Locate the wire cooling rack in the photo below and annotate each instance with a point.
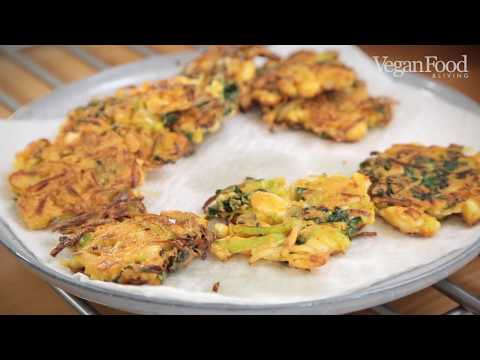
(468, 303)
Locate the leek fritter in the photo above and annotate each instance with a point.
(54, 183)
(415, 186)
(160, 122)
(142, 249)
(301, 225)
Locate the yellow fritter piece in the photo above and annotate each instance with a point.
(301, 225)
(140, 250)
(416, 186)
(410, 220)
(54, 183)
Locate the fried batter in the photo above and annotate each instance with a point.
(302, 225)
(233, 66)
(142, 249)
(315, 92)
(415, 186)
(54, 183)
(339, 116)
(304, 74)
(160, 122)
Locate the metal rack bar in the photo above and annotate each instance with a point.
(9, 101)
(144, 50)
(384, 310)
(85, 56)
(82, 306)
(31, 66)
(459, 295)
(459, 311)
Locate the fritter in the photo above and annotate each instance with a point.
(233, 66)
(315, 92)
(142, 249)
(160, 122)
(302, 225)
(304, 74)
(55, 183)
(415, 186)
(339, 116)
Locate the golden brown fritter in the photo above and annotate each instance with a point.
(415, 186)
(55, 183)
(304, 74)
(142, 249)
(315, 92)
(302, 225)
(233, 66)
(160, 122)
(339, 116)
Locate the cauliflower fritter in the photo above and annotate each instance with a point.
(142, 249)
(233, 66)
(302, 225)
(315, 92)
(415, 186)
(160, 122)
(54, 183)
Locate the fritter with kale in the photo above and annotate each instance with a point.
(302, 225)
(416, 186)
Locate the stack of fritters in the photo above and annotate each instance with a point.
(415, 186)
(302, 225)
(315, 92)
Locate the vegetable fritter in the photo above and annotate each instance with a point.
(54, 183)
(315, 92)
(160, 122)
(339, 116)
(231, 66)
(415, 186)
(142, 249)
(302, 225)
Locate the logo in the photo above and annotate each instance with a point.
(439, 69)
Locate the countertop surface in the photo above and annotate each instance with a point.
(22, 292)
